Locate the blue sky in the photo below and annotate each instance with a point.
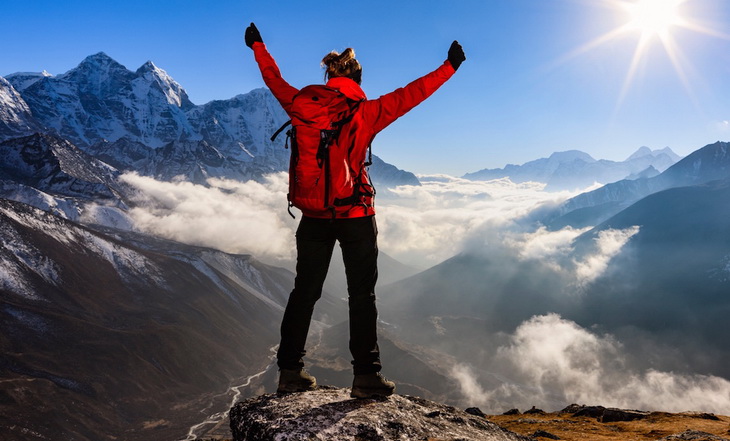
(519, 96)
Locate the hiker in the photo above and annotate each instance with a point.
(348, 220)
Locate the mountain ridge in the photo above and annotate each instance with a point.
(711, 162)
(102, 107)
(575, 169)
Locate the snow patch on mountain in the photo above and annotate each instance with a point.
(127, 262)
(244, 274)
(16, 118)
(23, 80)
(18, 260)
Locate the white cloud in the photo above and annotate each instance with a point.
(427, 224)
(608, 244)
(235, 217)
(550, 361)
(545, 245)
(419, 225)
(468, 385)
(555, 249)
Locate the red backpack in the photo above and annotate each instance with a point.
(321, 179)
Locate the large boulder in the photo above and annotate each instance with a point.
(329, 413)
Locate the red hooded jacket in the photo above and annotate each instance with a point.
(371, 117)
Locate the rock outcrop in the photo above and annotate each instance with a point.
(329, 413)
(693, 435)
(606, 415)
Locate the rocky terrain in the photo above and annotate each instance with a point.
(328, 414)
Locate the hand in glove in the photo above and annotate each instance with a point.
(252, 35)
(456, 55)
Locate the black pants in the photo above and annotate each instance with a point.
(315, 243)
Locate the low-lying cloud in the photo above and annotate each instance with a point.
(424, 225)
(232, 216)
(551, 362)
(555, 250)
(419, 225)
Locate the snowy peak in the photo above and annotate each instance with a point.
(644, 151)
(99, 62)
(710, 163)
(640, 153)
(99, 75)
(570, 156)
(23, 80)
(173, 91)
(101, 99)
(15, 116)
(574, 169)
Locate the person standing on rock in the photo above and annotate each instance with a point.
(352, 226)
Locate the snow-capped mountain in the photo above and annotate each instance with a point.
(15, 116)
(241, 127)
(144, 121)
(574, 169)
(49, 162)
(50, 173)
(644, 152)
(709, 163)
(100, 99)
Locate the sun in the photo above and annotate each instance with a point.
(654, 17)
(651, 22)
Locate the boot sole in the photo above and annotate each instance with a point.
(370, 393)
(294, 389)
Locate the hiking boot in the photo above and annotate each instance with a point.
(295, 380)
(371, 386)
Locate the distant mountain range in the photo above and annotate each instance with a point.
(144, 121)
(707, 164)
(575, 170)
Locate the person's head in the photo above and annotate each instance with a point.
(342, 65)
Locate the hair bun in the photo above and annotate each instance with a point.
(341, 64)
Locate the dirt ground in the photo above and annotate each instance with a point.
(655, 426)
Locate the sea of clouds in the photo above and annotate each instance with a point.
(418, 225)
(547, 360)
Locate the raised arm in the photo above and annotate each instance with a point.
(283, 91)
(383, 111)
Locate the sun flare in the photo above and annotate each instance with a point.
(652, 23)
(654, 17)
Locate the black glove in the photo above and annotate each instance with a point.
(456, 55)
(252, 36)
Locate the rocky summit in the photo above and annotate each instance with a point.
(329, 413)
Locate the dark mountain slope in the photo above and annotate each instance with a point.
(102, 337)
(674, 278)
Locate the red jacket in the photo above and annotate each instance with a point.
(371, 117)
